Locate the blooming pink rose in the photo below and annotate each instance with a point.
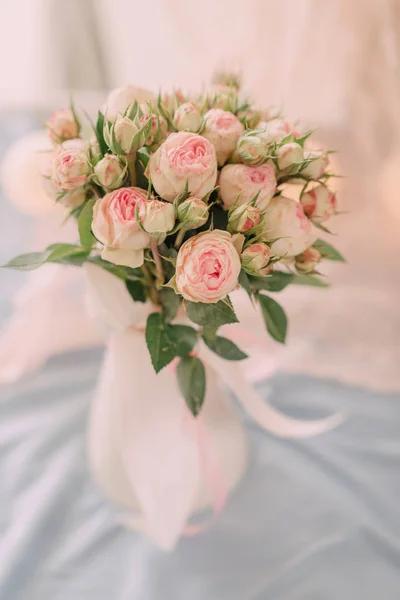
(319, 203)
(247, 181)
(62, 126)
(207, 267)
(114, 225)
(286, 223)
(183, 158)
(70, 168)
(317, 167)
(223, 130)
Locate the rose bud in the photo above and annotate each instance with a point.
(171, 101)
(114, 225)
(124, 130)
(240, 183)
(158, 131)
(317, 167)
(275, 130)
(223, 96)
(251, 149)
(184, 159)
(289, 154)
(286, 223)
(62, 126)
(158, 219)
(69, 166)
(250, 117)
(120, 99)
(193, 213)
(319, 203)
(187, 117)
(244, 218)
(110, 172)
(308, 260)
(255, 259)
(223, 130)
(207, 267)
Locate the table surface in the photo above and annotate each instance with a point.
(315, 519)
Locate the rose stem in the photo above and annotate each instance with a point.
(149, 280)
(179, 238)
(131, 168)
(157, 260)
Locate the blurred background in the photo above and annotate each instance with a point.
(332, 65)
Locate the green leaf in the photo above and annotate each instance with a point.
(309, 280)
(274, 317)
(143, 155)
(136, 290)
(245, 283)
(99, 130)
(85, 219)
(224, 348)
(64, 253)
(162, 349)
(192, 382)
(170, 302)
(211, 315)
(183, 337)
(275, 282)
(327, 251)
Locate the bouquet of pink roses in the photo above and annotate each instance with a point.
(183, 199)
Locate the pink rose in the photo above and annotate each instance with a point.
(120, 99)
(187, 117)
(319, 203)
(223, 130)
(289, 154)
(183, 158)
(286, 223)
(244, 218)
(158, 219)
(207, 267)
(308, 260)
(274, 130)
(247, 181)
(114, 225)
(255, 259)
(317, 167)
(62, 126)
(70, 168)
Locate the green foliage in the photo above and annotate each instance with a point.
(136, 290)
(166, 341)
(224, 347)
(192, 382)
(170, 302)
(211, 315)
(312, 280)
(99, 131)
(327, 251)
(275, 282)
(274, 317)
(56, 253)
(85, 218)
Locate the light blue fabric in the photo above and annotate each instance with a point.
(316, 519)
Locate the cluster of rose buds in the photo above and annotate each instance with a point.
(160, 167)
